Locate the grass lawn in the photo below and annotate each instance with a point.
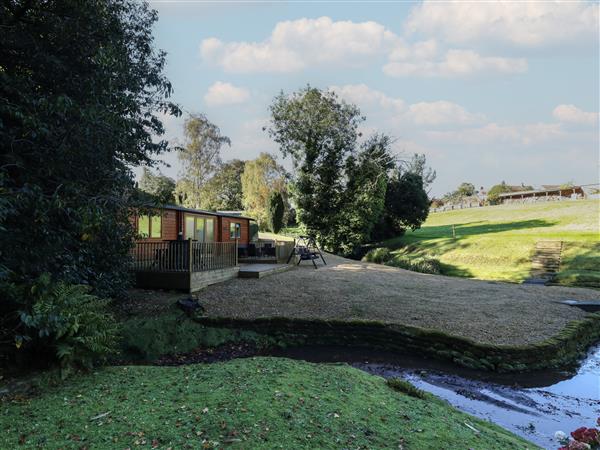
(497, 242)
(246, 403)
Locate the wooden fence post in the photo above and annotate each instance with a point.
(236, 251)
(190, 256)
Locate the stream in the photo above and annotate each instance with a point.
(533, 405)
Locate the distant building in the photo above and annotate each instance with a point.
(545, 193)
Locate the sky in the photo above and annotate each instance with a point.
(489, 92)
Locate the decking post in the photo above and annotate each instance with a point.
(236, 251)
(190, 256)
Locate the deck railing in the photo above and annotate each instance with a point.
(183, 256)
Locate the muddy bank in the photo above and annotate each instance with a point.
(533, 405)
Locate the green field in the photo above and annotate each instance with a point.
(246, 403)
(497, 242)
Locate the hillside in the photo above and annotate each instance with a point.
(497, 242)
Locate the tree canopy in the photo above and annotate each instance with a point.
(262, 176)
(81, 92)
(224, 190)
(340, 186)
(318, 131)
(158, 185)
(200, 157)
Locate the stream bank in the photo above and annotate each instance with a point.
(533, 405)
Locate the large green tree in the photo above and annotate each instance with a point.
(318, 131)
(200, 157)
(365, 193)
(158, 185)
(81, 86)
(224, 190)
(262, 176)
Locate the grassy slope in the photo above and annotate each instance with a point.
(497, 242)
(246, 403)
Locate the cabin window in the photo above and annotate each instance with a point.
(149, 226)
(235, 231)
(209, 230)
(156, 226)
(200, 228)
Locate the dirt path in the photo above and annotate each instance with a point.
(488, 312)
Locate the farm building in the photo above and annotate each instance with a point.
(545, 193)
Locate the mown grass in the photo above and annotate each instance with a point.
(497, 242)
(254, 403)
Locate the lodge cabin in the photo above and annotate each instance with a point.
(187, 249)
(173, 223)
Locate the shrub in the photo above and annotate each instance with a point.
(400, 385)
(423, 265)
(73, 323)
(378, 255)
(275, 212)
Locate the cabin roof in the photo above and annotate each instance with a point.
(203, 211)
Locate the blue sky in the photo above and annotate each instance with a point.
(488, 91)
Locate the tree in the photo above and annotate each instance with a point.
(275, 212)
(159, 186)
(493, 196)
(318, 131)
(224, 190)
(418, 165)
(80, 88)
(406, 203)
(262, 176)
(367, 183)
(462, 191)
(200, 157)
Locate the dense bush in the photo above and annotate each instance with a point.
(75, 325)
(378, 255)
(423, 265)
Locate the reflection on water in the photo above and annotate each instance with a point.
(532, 405)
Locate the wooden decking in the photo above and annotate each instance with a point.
(261, 270)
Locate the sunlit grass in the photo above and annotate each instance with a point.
(497, 242)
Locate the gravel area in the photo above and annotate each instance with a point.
(487, 312)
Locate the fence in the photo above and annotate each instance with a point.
(183, 256)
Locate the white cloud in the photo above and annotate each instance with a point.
(441, 112)
(492, 133)
(220, 94)
(525, 24)
(294, 45)
(570, 113)
(363, 96)
(455, 63)
(395, 109)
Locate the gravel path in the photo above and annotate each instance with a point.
(488, 312)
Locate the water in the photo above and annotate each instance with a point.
(533, 405)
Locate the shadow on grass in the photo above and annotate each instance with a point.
(454, 271)
(467, 229)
